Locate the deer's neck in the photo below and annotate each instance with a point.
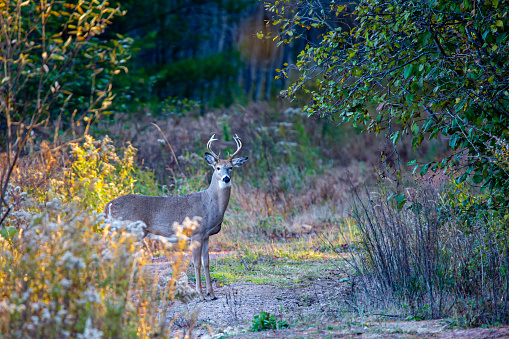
(219, 194)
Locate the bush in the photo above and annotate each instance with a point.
(427, 261)
(65, 272)
(424, 68)
(59, 277)
(98, 175)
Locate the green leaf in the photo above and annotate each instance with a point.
(424, 169)
(412, 162)
(453, 141)
(415, 128)
(8, 232)
(408, 71)
(395, 137)
(477, 179)
(401, 199)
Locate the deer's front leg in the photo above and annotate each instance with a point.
(205, 263)
(197, 266)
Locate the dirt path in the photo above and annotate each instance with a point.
(232, 313)
(428, 330)
(238, 303)
(309, 307)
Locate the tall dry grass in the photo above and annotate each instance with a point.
(274, 135)
(426, 261)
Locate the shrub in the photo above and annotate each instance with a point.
(266, 321)
(56, 72)
(65, 272)
(98, 175)
(60, 277)
(429, 262)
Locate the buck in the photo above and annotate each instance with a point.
(160, 213)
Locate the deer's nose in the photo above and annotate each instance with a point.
(226, 179)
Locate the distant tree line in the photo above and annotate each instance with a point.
(204, 50)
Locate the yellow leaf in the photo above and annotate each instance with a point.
(68, 41)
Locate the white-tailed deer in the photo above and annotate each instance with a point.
(159, 213)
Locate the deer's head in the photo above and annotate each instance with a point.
(223, 168)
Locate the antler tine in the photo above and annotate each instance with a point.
(239, 146)
(209, 149)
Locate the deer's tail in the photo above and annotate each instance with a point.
(107, 210)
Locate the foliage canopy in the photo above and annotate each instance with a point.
(412, 67)
(56, 74)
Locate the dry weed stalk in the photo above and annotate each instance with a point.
(64, 272)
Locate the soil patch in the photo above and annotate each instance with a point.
(310, 308)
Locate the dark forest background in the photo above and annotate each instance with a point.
(206, 51)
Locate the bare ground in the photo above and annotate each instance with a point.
(309, 307)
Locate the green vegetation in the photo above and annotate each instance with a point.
(428, 69)
(312, 209)
(266, 321)
(413, 67)
(56, 74)
(273, 269)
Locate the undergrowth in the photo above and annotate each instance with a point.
(67, 272)
(426, 260)
(267, 321)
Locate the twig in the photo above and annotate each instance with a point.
(169, 145)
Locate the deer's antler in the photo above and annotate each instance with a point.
(239, 146)
(216, 156)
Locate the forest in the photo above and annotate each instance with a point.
(254, 169)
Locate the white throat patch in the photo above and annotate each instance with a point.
(223, 184)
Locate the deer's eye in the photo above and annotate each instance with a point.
(218, 168)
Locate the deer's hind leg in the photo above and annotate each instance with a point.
(206, 267)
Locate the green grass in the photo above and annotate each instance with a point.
(281, 263)
(270, 270)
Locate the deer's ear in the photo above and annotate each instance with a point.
(237, 162)
(210, 160)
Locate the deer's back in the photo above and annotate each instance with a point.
(158, 213)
